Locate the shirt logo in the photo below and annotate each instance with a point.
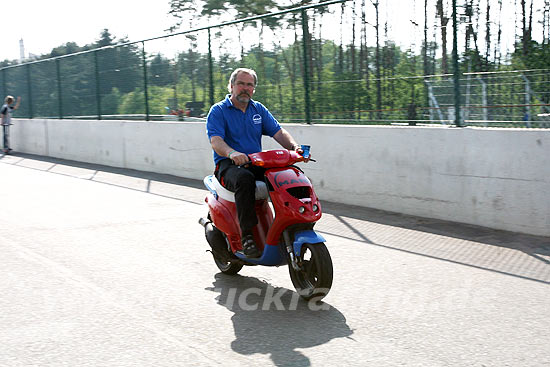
(257, 119)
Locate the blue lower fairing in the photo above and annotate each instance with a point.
(308, 236)
(272, 256)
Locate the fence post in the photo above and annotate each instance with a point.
(305, 37)
(97, 90)
(527, 115)
(484, 100)
(4, 93)
(210, 70)
(145, 81)
(59, 96)
(434, 104)
(29, 88)
(458, 119)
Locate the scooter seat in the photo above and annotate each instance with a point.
(212, 183)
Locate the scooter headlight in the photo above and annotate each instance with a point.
(301, 210)
(315, 207)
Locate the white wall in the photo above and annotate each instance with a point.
(498, 178)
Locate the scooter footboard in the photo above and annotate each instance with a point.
(307, 236)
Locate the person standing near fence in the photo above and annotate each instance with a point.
(5, 120)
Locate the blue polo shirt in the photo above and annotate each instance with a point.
(241, 131)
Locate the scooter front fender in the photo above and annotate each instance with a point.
(307, 236)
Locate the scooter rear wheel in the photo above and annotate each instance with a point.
(229, 268)
(314, 279)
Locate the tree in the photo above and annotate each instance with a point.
(160, 71)
(527, 27)
(471, 33)
(444, 20)
(377, 64)
(487, 37)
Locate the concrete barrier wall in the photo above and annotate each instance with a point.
(498, 178)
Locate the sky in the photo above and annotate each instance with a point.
(44, 25)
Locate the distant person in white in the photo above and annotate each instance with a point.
(5, 120)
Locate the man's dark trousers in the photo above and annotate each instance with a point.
(5, 133)
(241, 181)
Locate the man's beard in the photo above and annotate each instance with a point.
(243, 98)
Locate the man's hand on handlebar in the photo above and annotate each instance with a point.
(298, 149)
(239, 158)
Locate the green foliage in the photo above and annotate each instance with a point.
(343, 84)
(110, 102)
(132, 103)
(160, 71)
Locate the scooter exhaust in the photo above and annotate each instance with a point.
(215, 239)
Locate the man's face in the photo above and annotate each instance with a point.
(243, 89)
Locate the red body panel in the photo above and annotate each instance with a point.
(224, 214)
(273, 158)
(286, 205)
(291, 190)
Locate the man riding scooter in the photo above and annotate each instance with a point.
(235, 127)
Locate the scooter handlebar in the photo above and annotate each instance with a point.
(275, 158)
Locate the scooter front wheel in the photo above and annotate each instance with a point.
(314, 278)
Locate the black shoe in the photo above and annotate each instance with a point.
(249, 247)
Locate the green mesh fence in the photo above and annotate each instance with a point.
(505, 99)
(346, 62)
(16, 84)
(77, 81)
(119, 78)
(44, 89)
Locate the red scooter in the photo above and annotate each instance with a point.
(286, 238)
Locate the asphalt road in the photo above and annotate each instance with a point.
(107, 267)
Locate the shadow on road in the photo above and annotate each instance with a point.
(153, 183)
(516, 254)
(509, 253)
(275, 321)
(440, 227)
